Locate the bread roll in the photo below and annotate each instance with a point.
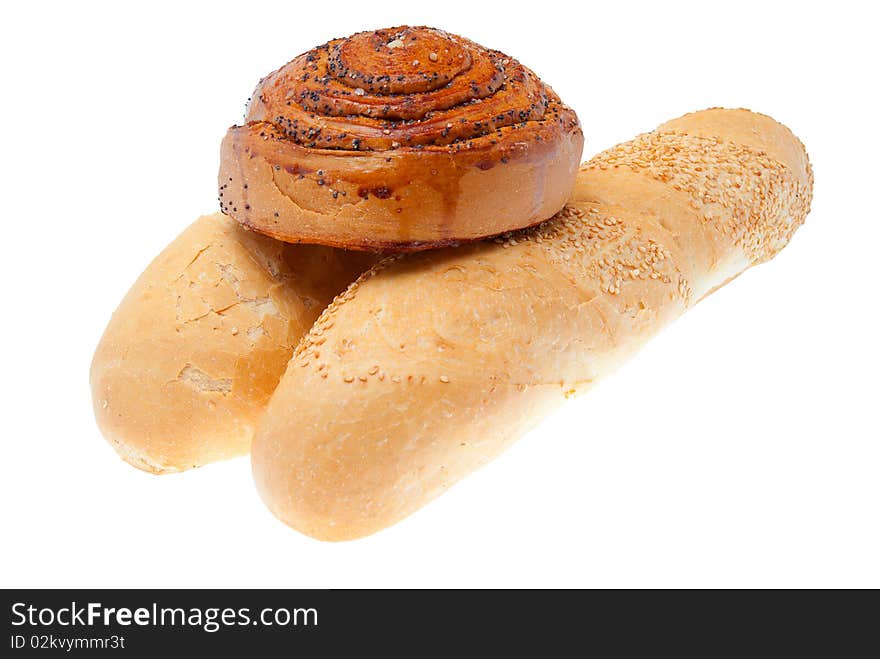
(400, 139)
(195, 349)
(432, 364)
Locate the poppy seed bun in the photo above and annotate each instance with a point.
(401, 139)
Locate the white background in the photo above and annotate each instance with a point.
(740, 448)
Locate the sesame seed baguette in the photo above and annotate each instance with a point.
(430, 365)
(195, 349)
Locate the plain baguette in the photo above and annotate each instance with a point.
(192, 354)
(430, 365)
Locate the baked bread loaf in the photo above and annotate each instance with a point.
(431, 364)
(400, 139)
(192, 354)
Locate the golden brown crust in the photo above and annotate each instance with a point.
(192, 354)
(407, 138)
(712, 177)
(431, 364)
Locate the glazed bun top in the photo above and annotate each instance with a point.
(404, 138)
(403, 87)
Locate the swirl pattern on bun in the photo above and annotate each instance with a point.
(401, 139)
